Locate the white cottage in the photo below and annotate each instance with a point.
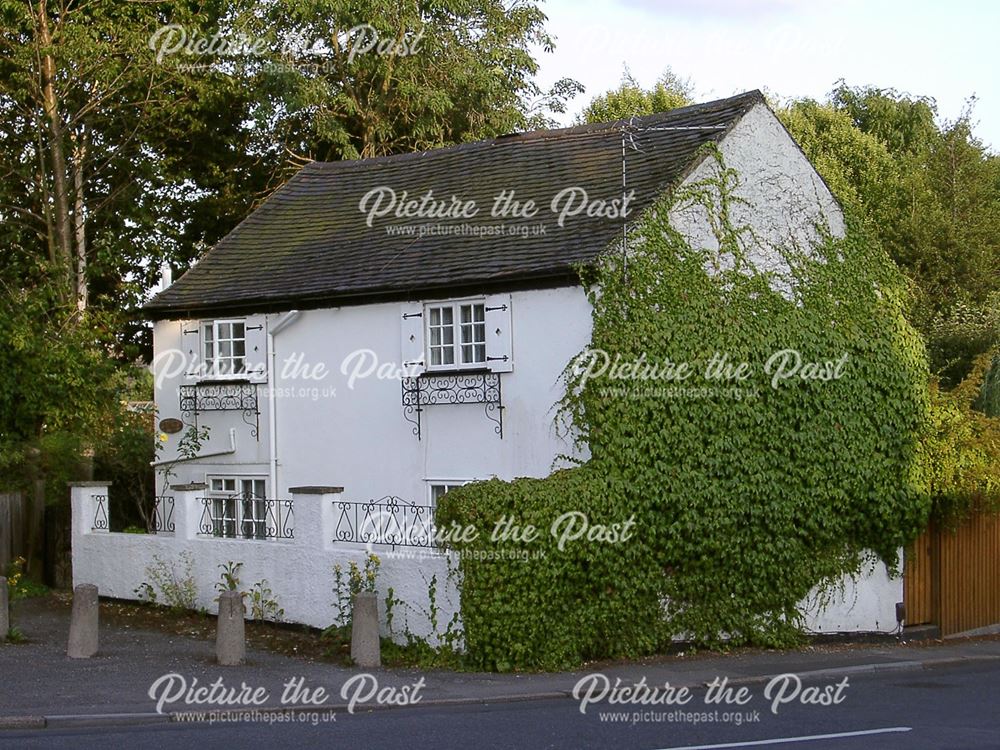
(380, 331)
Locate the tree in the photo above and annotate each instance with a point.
(138, 133)
(58, 389)
(97, 147)
(631, 100)
(856, 166)
(930, 193)
(376, 77)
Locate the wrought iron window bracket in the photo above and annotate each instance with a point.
(215, 395)
(463, 387)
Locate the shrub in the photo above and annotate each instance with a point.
(168, 586)
(746, 494)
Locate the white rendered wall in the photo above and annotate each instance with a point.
(357, 437)
(780, 196)
(866, 603)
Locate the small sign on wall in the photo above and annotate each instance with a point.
(171, 425)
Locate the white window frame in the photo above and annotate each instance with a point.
(449, 483)
(460, 345)
(212, 362)
(229, 520)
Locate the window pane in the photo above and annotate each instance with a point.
(479, 313)
(239, 330)
(448, 356)
(208, 332)
(466, 315)
(239, 348)
(225, 330)
(239, 365)
(467, 353)
(435, 356)
(225, 348)
(448, 336)
(435, 316)
(447, 316)
(252, 487)
(435, 337)
(480, 353)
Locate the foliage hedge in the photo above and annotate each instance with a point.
(742, 506)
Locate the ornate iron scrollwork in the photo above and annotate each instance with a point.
(163, 515)
(101, 513)
(389, 521)
(247, 517)
(431, 389)
(208, 396)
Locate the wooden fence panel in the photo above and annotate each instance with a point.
(952, 578)
(970, 575)
(12, 528)
(918, 581)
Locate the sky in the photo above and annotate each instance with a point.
(789, 48)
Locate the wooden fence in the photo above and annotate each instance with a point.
(952, 578)
(13, 528)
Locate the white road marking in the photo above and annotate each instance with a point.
(786, 740)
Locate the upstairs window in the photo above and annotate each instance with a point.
(224, 347)
(456, 335)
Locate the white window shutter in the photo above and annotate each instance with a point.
(256, 348)
(499, 341)
(194, 354)
(411, 338)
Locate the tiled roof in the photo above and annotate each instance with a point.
(310, 244)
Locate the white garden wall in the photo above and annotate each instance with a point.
(299, 571)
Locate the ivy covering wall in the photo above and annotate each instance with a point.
(739, 495)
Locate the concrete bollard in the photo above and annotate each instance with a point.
(230, 636)
(365, 647)
(83, 622)
(4, 609)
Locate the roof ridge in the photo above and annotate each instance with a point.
(753, 96)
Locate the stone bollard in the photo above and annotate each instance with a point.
(83, 622)
(4, 609)
(230, 636)
(365, 647)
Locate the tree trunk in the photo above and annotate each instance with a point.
(60, 193)
(79, 219)
(43, 187)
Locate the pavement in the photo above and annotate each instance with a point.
(40, 687)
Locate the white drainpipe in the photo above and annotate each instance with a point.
(272, 411)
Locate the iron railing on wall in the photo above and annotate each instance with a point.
(163, 515)
(390, 521)
(246, 517)
(101, 513)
